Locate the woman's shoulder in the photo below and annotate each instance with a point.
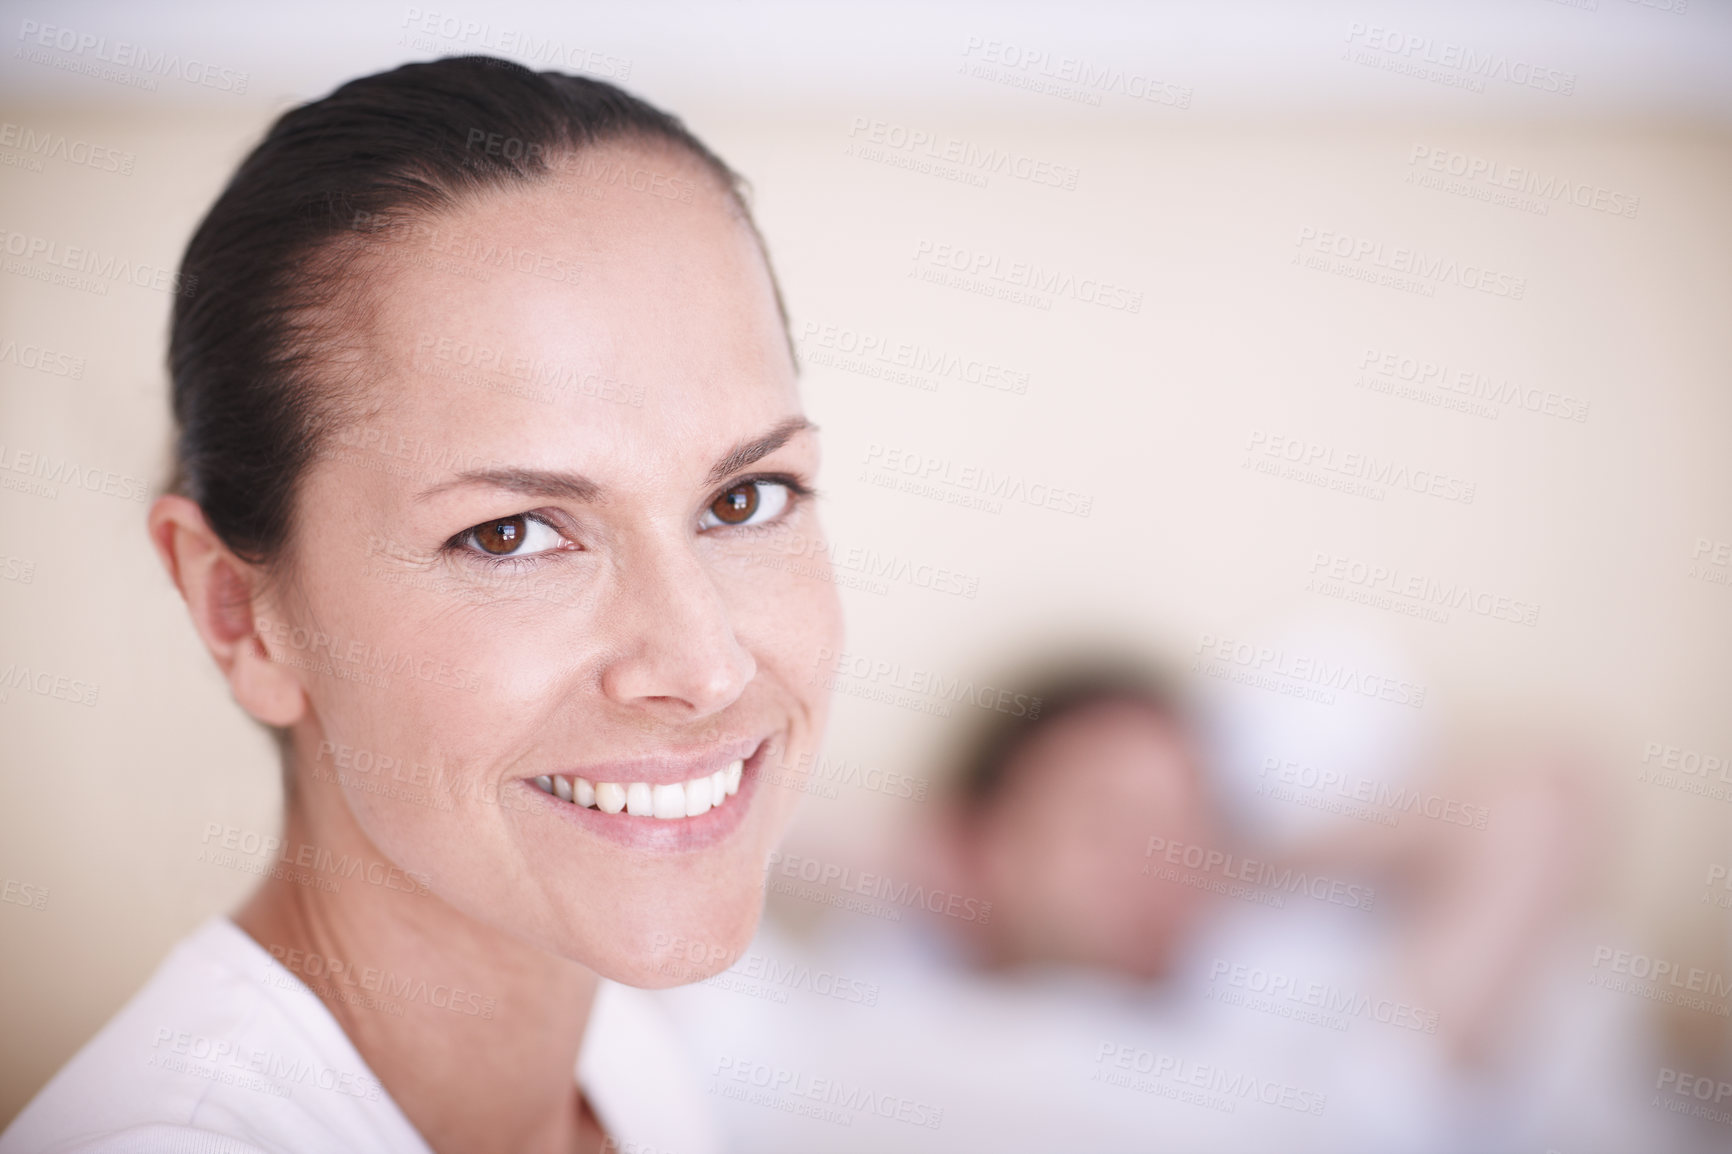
(223, 1051)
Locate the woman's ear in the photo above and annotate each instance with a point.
(224, 594)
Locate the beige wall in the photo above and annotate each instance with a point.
(1148, 414)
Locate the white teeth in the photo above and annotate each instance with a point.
(609, 796)
(692, 798)
(670, 800)
(697, 796)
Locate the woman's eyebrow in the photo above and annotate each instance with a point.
(577, 487)
(540, 482)
(748, 452)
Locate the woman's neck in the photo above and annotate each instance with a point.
(473, 1033)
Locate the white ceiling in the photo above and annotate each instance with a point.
(1244, 57)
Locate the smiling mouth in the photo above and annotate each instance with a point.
(693, 797)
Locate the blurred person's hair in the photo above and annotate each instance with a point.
(274, 279)
(1064, 688)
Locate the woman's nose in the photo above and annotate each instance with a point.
(674, 646)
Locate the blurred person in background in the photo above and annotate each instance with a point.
(1054, 819)
(1153, 975)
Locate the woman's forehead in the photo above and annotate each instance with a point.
(537, 307)
(544, 272)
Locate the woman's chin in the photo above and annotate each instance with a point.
(685, 942)
(669, 973)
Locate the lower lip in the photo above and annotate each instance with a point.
(661, 835)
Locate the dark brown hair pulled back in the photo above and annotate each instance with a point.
(255, 346)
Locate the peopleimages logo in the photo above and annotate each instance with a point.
(45, 471)
(1300, 675)
(1422, 592)
(882, 672)
(219, 838)
(450, 33)
(1198, 1083)
(450, 356)
(879, 887)
(991, 271)
(21, 893)
(1661, 980)
(1283, 778)
(1410, 262)
(82, 261)
(932, 469)
(1352, 470)
(234, 1063)
(41, 144)
(801, 1092)
(87, 52)
(355, 659)
(1680, 1087)
(872, 354)
(1385, 371)
(41, 359)
(888, 141)
(874, 569)
(1334, 1004)
(1495, 175)
(1261, 874)
(1069, 77)
(45, 683)
(801, 978)
(1469, 62)
(337, 973)
(815, 774)
(1704, 773)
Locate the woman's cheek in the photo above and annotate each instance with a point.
(812, 582)
(804, 624)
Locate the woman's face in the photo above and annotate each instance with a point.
(557, 544)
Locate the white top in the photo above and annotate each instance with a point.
(225, 1051)
(871, 1038)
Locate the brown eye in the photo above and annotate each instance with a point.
(737, 505)
(523, 537)
(755, 502)
(501, 537)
